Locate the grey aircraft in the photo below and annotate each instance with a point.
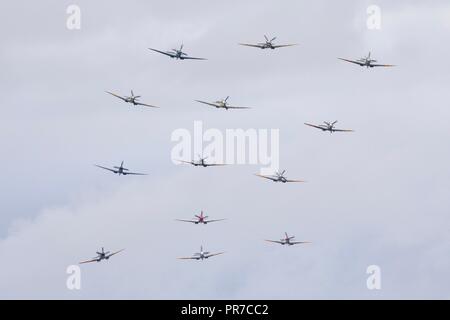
(200, 219)
(122, 171)
(132, 99)
(288, 240)
(201, 255)
(328, 127)
(201, 162)
(177, 54)
(102, 256)
(367, 62)
(222, 104)
(279, 177)
(268, 44)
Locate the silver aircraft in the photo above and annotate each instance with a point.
(288, 240)
(222, 104)
(132, 99)
(201, 255)
(177, 54)
(102, 256)
(328, 127)
(268, 44)
(367, 62)
(201, 162)
(202, 219)
(121, 170)
(279, 177)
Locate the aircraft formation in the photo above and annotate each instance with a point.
(202, 219)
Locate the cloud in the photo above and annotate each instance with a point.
(378, 196)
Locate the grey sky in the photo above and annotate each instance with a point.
(377, 196)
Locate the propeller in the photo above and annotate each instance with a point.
(271, 40)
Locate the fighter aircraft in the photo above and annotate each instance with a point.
(328, 127)
(200, 219)
(177, 54)
(132, 99)
(201, 162)
(279, 177)
(222, 104)
(122, 171)
(268, 44)
(201, 255)
(102, 256)
(288, 241)
(367, 62)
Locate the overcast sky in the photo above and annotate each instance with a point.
(378, 196)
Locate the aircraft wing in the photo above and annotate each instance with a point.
(189, 258)
(381, 65)
(192, 58)
(214, 164)
(146, 105)
(134, 174)
(182, 220)
(274, 241)
(112, 170)
(266, 177)
(315, 126)
(208, 221)
(251, 45)
(162, 52)
(284, 45)
(213, 254)
(231, 107)
(352, 61)
(294, 180)
(299, 242)
(189, 162)
(208, 103)
(114, 253)
(89, 261)
(116, 95)
(343, 130)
